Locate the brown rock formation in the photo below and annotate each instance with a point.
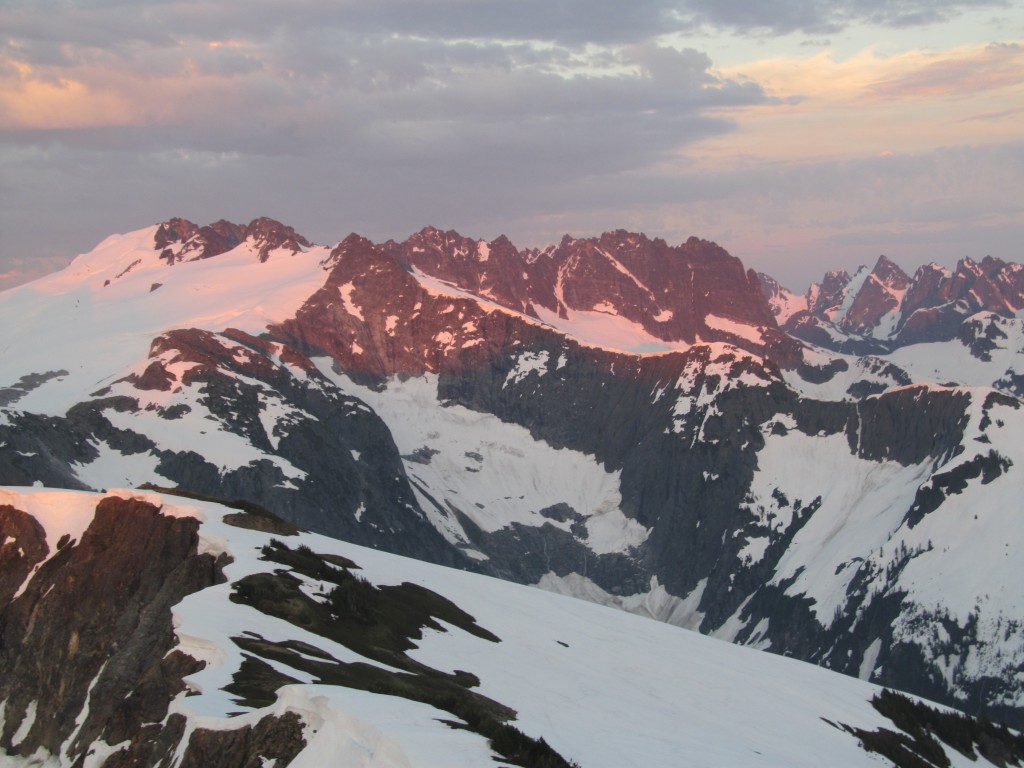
(86, 642)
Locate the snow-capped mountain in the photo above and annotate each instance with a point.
(882, 308)
(190, 634)
(613, 418)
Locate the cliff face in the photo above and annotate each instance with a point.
(86, 635)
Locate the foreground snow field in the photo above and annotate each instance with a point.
(601, 686)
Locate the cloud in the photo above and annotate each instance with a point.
(993, 67)
(872, 76)
(23, 270)
(396, 97)
(530, 118)
(817, 17)
(870, 104)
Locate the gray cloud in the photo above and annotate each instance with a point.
(121, 24)
(816, 17)
(529, 118)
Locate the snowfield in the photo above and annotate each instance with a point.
(495, 473)
(76, 321)
(603, 687)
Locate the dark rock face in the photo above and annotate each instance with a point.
(36, 448)
(277, 739)
(880, 294)
(90, 631)
(982, 336)
(828, 294)
(780, 299)
(345, 477)
(12, 394)
(687, 477)
(21, 549)
(909, 425)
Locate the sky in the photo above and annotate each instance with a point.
(801, 135)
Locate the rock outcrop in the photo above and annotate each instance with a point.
(86, 638)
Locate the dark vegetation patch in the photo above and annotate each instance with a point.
(562, 512)
(173, 412)
(256, 682)
(251, 515)
(981, 337)
(819, 374)
(923, 730)
(368, 619)
(944, 484)
(379, 623)
(865, 388)
(28, 382)
(421, 455)
(993, 399)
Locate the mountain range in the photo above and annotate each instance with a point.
(833, 477)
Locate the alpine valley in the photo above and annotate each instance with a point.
(834, 477)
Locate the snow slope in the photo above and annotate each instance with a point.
(495, 473)
(98, 316)
(603, 687)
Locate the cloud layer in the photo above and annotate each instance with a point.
(529, 118)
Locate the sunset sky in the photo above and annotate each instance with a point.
(803, 135)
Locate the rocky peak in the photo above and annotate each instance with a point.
(782, 301)
(879, 295)
(211, 240)
(991, 285)
(175, 230)
(924, 287)
(86, 646)
(668, 291)
(888, 305)
(889, 274)
(353, 246)
(180, 240)
(269, 235)
(828, 294)
(446, 255)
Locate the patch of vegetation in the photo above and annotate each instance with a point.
(382, 618)
(421, 455)
(450, 693)
(304, 560)
(922, 728)
(944, 484)
(379, 623)
(256, 682)
(252, 515)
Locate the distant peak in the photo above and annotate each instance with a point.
(221, 236)
(174, 230)
(354, 240)
(889, 273)
(269, 235)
